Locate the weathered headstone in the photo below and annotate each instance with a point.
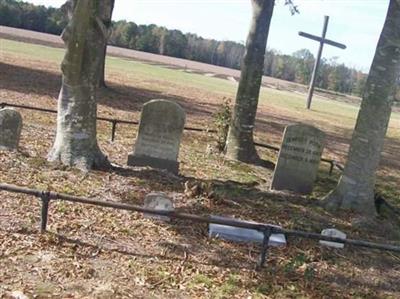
(332, 232)
(298, 160)
(159, 136)
(10, 129)
(158, 201)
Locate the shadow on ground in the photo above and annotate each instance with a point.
(126, 98)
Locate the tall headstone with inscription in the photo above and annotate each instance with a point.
(159, 136)
(298, 160)
(10, 129)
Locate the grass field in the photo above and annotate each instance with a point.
(324, 111)
(94, 252)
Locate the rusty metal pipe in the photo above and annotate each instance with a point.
(196, 218)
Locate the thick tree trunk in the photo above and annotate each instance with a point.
(76, 142)
(85, 38)
(355, 190)
(239, 144)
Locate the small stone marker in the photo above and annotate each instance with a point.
(159, 136)
(10, 129)
(332, 232)
(298, 160)
(239, 234)
(158, 201)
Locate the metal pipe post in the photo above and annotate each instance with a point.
(45, 198)
(113, 128)
(264, 249)
(331, 167)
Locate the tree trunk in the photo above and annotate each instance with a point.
(355, 190)
(239, 144)
(106, 10)
(85, 37)
(102, 78)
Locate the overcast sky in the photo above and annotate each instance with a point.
(356, 23)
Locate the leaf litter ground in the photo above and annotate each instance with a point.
(103, 253)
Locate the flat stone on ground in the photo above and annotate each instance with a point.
(158, 201)
(246, 235)
(332, 232)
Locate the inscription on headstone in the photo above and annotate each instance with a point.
(10, 129)
(158, 201)
(298, 160)
(159, 136)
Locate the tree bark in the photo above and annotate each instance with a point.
(106, 11)
(102, 78)
(355, 190)
(239, 144)
(76, 137)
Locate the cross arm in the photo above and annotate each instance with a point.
(323, 40)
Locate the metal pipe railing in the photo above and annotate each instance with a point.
(114, 123)
(266, 229)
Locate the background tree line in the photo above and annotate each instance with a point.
(32, 17)
(160, 40)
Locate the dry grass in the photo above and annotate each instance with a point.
(94, 252)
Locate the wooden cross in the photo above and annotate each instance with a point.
(322, 40)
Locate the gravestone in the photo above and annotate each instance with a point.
(10, 129)
(240, 234)
(159, 136)
(332, 232)
(298, 159)
(158, 201)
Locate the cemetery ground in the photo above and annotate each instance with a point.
(96, 252)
